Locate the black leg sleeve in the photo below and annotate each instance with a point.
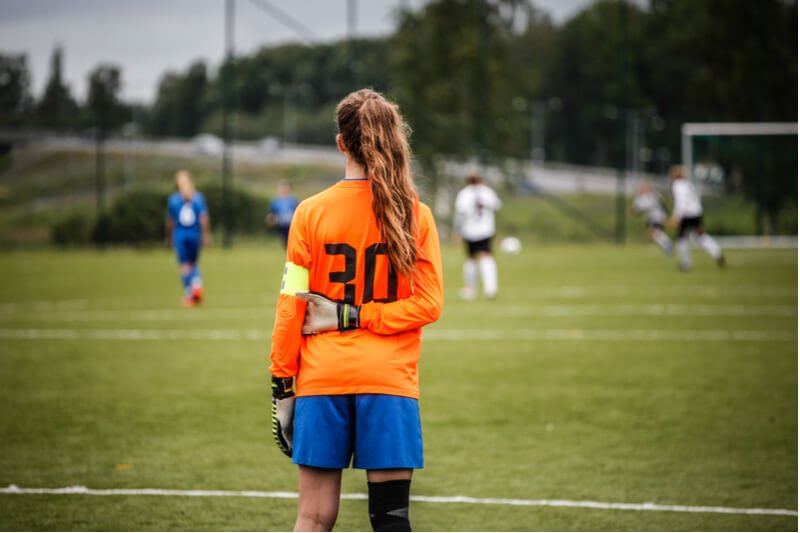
(388, 505)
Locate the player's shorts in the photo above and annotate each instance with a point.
(187, 247)
(483, 245)
(688, 223)
(655, 224)
(378, 431)
(283, 234)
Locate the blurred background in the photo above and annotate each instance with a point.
(615, 378)
(565, 105)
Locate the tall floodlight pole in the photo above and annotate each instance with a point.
(481, 81)
(226, 124)
(622, 60)
(352, 17)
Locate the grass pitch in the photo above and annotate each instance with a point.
(600, 373)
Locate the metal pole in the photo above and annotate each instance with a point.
(623, 123)
(99, 162)
(686, 153)
(226, 125)
(352, 13)
(481, 81)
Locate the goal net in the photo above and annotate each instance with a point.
(747, 175)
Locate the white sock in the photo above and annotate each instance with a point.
(470, 274)
(488, 275)
(709, 245)
(663, 241)
(683, 251)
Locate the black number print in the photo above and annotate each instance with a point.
(349, 272)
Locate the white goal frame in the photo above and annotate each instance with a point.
(690, 130)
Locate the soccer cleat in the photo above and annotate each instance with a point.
(466, 293)
(188, 302)
(197, 294)
(721, 262)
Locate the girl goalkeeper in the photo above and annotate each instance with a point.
(363, 263)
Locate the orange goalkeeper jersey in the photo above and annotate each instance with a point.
(335, 236)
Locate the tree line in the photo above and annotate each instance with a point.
(485, 78)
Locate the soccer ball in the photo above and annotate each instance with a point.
(510, 246)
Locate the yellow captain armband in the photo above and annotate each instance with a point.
(295, 279)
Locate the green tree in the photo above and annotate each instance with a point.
(57, 108)
(15, 96)
(182, 104)
(595, 74)
(103, 103)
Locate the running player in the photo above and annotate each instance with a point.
(364, 253)
(281, 210)
(474, 221)
(649, 202)
(188, 228)
(687, 215)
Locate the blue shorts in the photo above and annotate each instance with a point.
(187, 247)
(378, 431)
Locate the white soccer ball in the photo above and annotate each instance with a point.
(510, 246)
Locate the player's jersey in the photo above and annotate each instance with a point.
(687, 201)
(186, 214)
(475, 207)
(650, 204)
(335, 235)
(283, 208)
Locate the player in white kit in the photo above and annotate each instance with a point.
(647, 201)
(474, 221)
(687, 215)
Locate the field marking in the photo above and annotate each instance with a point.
(649, 506)
(268, 298)
(514, 310)
(637, 335)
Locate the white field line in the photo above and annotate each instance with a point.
(265, 313)
(645, 309)
(267, 298)
(431, 334)
(84, 491)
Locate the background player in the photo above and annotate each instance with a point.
(281, 210)
(188, 228)
(649, 203)
(474, 220)
(687, 215)
(368, 252)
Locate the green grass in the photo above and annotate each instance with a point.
(685, 422)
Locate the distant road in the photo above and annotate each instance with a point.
(550, 178)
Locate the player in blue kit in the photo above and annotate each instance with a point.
(281, 210)
(188, 228)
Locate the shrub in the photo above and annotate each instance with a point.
(73, 229)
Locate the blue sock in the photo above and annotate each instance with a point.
(186, 280)
(195, 277)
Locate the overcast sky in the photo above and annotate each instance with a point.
(148, 37)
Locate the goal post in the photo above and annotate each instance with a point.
(755, 162)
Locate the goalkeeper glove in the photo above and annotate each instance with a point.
(326, 315)
(283, 413)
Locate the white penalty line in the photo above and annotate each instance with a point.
(85, 491)
(435, 334)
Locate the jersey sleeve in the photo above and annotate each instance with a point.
(170, 215)
(496, 202)
(291, 310)
(425, 304)
(202, 207)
